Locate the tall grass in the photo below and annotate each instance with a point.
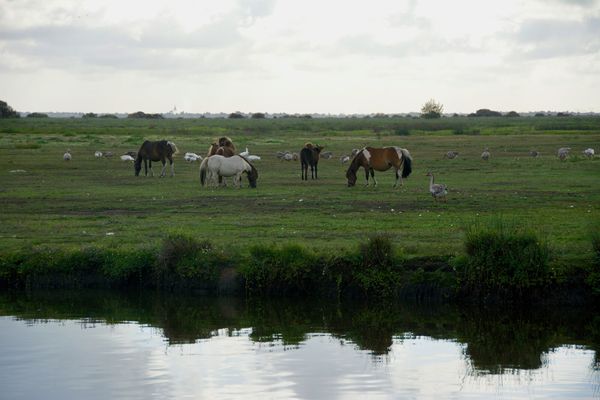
(282, 269)
(184, 260)
(502, 256)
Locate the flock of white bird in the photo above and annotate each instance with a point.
(130, 156)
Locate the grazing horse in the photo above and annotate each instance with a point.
(380, 159)
(309, 155)
(218, 166)
(155, 151)
(223, 147)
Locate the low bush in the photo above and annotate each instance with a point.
(128, 265)
(279, 270)
(503, 257)
(184, 260)
(377, 251)
(401, 131)
(374, 271)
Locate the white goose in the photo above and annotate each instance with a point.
(485, 155)
(67, 156)
(245, 153)
(563, 153)
(589, 153)
(98, 154)
(192, 157)
(437, 189)
(127, 157)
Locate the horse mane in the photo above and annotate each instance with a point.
(212, 149)
(308, 145)
(356, 160)
(173, 147)
(354, 164)
(225, 141)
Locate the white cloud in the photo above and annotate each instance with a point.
(277, 55)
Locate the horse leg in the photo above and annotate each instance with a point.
(304, 169)
(145, 167)
(164, 164)
(398, 177)
(367, 175)
(172, 166)
(316, 172)
(373, 176)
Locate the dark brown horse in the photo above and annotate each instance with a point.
(224, 147)
(380, 159)
(309, 156)
(155, 151)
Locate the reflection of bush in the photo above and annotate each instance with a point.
(495, 340)
(496, 343)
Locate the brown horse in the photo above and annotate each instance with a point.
(155, 151)
(224, 147)
(380, 159)
(309, 155)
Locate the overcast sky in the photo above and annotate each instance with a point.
(330, 56)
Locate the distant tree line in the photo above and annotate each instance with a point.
(143, 115)
(37, 115)
(485, 112)
(7, 111)
(94, 115)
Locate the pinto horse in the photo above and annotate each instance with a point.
(162, 151)
(309, 155)
(380, 159)
(217, 166)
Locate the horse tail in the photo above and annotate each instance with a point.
(173, 147)
(407, 163)
(203, 168)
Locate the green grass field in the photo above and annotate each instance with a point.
(100, 201)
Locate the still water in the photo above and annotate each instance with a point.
(106, 345)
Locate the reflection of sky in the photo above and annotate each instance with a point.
(68, 359)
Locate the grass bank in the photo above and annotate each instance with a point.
(501, 263)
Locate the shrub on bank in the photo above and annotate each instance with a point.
(279, 270)
(128, 265)
(184, 260)
(502, 257)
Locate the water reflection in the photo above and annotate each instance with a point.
(493, 341)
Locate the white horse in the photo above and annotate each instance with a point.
(217, 166)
